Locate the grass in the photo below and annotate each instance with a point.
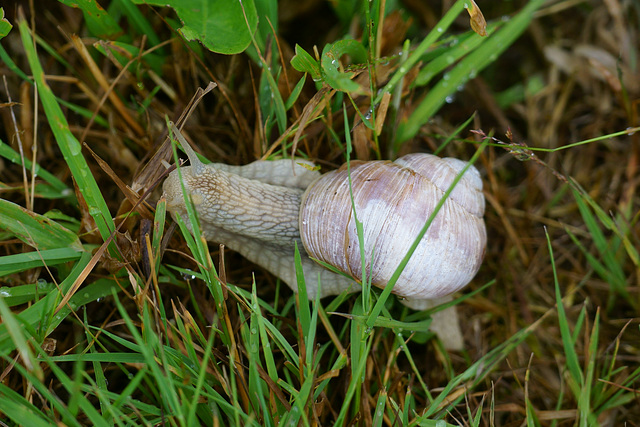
(115, 314)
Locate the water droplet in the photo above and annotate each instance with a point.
(449, 99)
(440, 29)
(254, 330)
(450, 59)
(42, 284)
(630, 131)
(446, 77)
(4, 293)
(86, 295)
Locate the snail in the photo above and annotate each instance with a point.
(261, 210)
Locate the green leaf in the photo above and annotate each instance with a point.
(33, 316)
(36, 230)
(117, 49)
(5, 26)
(19, 409)
(295, 93)
(573, 364)
(10, 154)
(100, 23)
(330, 60)
(20, 262)
(486, 53)
(304, 62)
(67, 142)
(220, 25)
(136, 19)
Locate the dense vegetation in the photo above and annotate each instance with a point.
(112, 314)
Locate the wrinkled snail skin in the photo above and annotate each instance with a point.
(261, 211)
(393, 200)
(244, 208)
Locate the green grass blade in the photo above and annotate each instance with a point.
(20, 410)
(36, 230)
(613, 272)
(67, 142)
(378, 414)
(14, 330)
(304, 315)
(570, 353)
(448, 55)
(10, 154)
(424, 46)
(99, 22)
(11, 264)
(584, 401)
(137, 20)
(608, 222)
(41, 314)
(467, 68)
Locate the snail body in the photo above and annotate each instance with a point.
(262, 210)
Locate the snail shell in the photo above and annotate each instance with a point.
(393, 200)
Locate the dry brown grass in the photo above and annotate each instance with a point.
(585, 55)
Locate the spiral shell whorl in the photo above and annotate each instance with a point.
(393, 201)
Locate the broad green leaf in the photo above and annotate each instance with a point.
(304, 62)
(36, 230)
(5, 26)
(220, 25)
(330, 61)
